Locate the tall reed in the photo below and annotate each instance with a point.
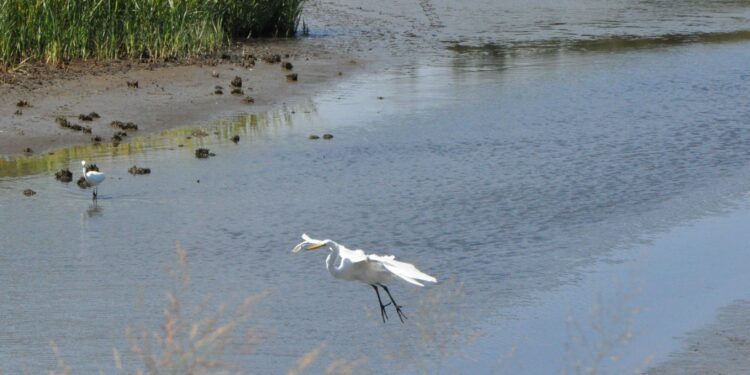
(57, 30)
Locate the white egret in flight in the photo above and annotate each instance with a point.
(371, 269)
(92, 176)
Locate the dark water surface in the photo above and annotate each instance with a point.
(508, 178)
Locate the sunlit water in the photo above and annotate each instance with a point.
(505, 177)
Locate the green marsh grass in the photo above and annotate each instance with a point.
(52, 31)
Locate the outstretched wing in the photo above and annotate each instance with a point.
(405, 271)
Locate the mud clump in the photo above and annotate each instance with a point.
(237, 91)
(28, 150)
(18, 112)
(29, 192)
(80, 128)
(286, 65)
(118, 137)
(327, 136)
(203, 153)
(218, 90)
(236, 82)
(313, 136)
(68, 125)
(82, 183)
(292, 77)
(236, 139)
(22, 104)
(124, 126)
(272, 58)
(96, 139)
(248, 100)
(248, 63)
(134, 170)
(132, 84)
(64, 175)
(88, 117)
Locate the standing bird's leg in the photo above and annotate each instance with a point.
(400, 313)
(94, 191)
(383, 314)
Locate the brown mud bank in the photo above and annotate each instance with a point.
(156, 97)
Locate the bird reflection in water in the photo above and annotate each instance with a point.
(94, 210)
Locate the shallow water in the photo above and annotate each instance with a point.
(513, 28)
(504, 176)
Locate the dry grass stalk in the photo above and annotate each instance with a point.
(62, 368)
(596, 344)
(186, 346)
(305, 362)
(196, 346)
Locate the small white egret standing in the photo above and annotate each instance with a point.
(371, 269)
(92, 177)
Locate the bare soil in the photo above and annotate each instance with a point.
(168, 94)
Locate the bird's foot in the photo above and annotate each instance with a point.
(401, 314)
(383, 313)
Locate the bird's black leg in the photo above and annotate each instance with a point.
(94, 193)
(400, 313)
(383, 314)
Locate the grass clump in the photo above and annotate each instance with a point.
(58, 30)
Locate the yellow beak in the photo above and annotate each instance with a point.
(317, 246)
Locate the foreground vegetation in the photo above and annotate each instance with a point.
(52, 31)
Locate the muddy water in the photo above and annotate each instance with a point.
(507, 177)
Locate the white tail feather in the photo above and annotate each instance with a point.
(403, 270)
(396, 272)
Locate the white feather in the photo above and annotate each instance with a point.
(374, 270)
(356, 265)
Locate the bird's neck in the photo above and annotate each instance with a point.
(331, 259)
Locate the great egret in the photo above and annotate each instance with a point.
(371, 269)
(92, 177)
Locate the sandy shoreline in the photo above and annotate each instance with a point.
(166, 97)
(174, 96)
